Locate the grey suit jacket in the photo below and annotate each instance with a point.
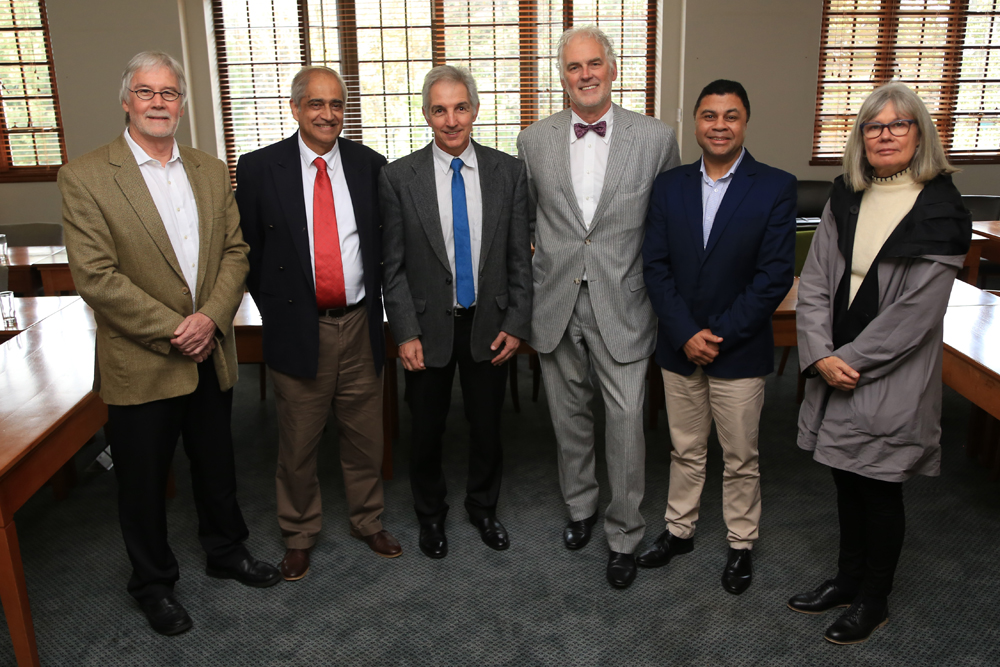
(416, 277)
(610, 251)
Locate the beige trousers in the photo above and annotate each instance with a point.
(345, 381)
(735, 404)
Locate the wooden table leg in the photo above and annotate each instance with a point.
(14, 595)
(63, 480)
(389, 414)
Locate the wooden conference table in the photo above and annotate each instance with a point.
(22, 278)
(47, 413)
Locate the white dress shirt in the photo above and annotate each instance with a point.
(473, 205)
(347, 226)
(174, 199)
(712, 193)
(588, 162)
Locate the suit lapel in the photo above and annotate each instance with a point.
(358, 175)
(133, 186)
(560, 149)
(619, 154)
(287, 174)
(693, 212)
(423, 192)
(743, 180)
(206, 212)
(491, 186)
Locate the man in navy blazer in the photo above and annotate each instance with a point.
(719, 257)
(309, 210)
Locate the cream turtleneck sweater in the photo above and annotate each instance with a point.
(883, 206)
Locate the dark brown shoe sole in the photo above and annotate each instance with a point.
(817, 613)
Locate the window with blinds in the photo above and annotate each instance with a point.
(383, 49)
(948, 51)
(32, 147)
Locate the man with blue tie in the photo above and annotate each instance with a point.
(457, 291)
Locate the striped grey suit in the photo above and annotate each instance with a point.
(605, 323)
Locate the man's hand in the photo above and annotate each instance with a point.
(510, 345)
(204, 354)
(837, 373)
(703, 347)
(194, 335)
(412, 354)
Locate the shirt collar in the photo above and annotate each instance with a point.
(309, 156)
(608, 118)
(142, 157)
(443, 160)
(704, 176)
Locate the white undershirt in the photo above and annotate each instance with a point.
(588, 161)
(347, 227)
(473, 205)
(174, 199)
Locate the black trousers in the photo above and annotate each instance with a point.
(143, 438)
(872, 526)
(429, 395)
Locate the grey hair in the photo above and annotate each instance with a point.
(301, 81)
(450, 73)
(928, 161)
(152, 60)
(593, 32)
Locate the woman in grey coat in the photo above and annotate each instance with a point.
(872, 298)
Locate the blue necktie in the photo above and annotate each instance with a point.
(464, 284)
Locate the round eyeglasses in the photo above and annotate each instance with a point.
(145, 94)
(897, 128)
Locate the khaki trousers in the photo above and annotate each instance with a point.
(345, 381)
(735, 404)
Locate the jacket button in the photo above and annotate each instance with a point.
(281, 268)
(854, 209)
(270, 226)
(576, 281)
(587, 242)
(447, 281)
(185, 291)
(448, 313)
(289, 301)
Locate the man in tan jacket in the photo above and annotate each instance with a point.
(152, 232)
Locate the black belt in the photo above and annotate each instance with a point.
(460, 312)
(340, 312)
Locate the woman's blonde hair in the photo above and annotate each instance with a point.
(928, 161)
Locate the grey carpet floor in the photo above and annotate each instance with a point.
(536, 603)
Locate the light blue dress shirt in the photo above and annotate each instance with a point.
(712, 193)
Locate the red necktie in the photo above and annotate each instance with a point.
(330, 292)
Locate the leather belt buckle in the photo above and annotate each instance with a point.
(461, 313)
(340, 312)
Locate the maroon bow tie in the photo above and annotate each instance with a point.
(581, 129)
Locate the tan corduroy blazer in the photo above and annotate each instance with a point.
(124, 267)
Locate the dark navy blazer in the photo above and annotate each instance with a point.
(273, 219)
(733, 285)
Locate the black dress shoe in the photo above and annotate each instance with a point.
(577, 533)
(621, 569)
(167, 616)
(858, 623)
(492, 531)
(432, 540)
(738, 574)
(664, 548)
(825, 597)
(249, 571)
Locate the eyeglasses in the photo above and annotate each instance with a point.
(146, 94)
(897, 128)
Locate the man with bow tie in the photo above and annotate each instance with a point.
(457, 285)
(590, 171)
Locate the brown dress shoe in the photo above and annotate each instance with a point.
(295, 564)
(382, 543)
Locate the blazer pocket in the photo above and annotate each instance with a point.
(636, 282)
(502, 301)
(419, 304)
(537, 274)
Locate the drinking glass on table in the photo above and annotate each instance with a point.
(7, 309)
(3, 249)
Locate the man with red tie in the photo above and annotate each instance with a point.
(309, 210)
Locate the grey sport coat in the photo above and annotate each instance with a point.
(417, 278)
(609, 252)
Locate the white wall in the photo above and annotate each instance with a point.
(771, 46)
